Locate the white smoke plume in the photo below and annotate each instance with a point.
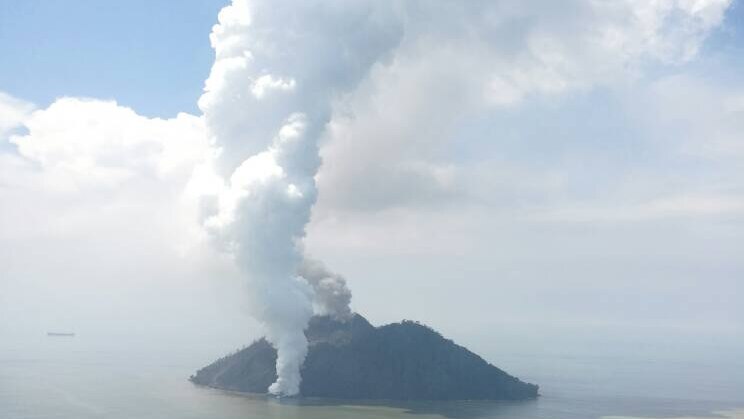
(266, 103)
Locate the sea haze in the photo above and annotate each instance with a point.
(93, 377)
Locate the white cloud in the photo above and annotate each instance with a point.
(95, 228)
(96, 191)
(84, 163)
(12, 113)
(86, 141)
(268, 82)
(385, 146)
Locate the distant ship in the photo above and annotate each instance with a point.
(67, 334)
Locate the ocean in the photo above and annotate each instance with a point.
(81, 377)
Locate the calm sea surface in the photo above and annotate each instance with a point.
(78, 378)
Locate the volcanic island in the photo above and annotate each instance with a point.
(352, 359)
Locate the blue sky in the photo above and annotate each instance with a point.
(152, 55)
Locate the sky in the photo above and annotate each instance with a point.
(501, 170)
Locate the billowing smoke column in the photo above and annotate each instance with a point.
(279, 67)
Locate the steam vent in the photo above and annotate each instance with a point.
(355, 360)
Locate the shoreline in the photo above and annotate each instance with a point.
(717, 414)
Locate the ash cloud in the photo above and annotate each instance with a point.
(331, 295)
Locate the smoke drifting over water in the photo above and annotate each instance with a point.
(266, 103)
